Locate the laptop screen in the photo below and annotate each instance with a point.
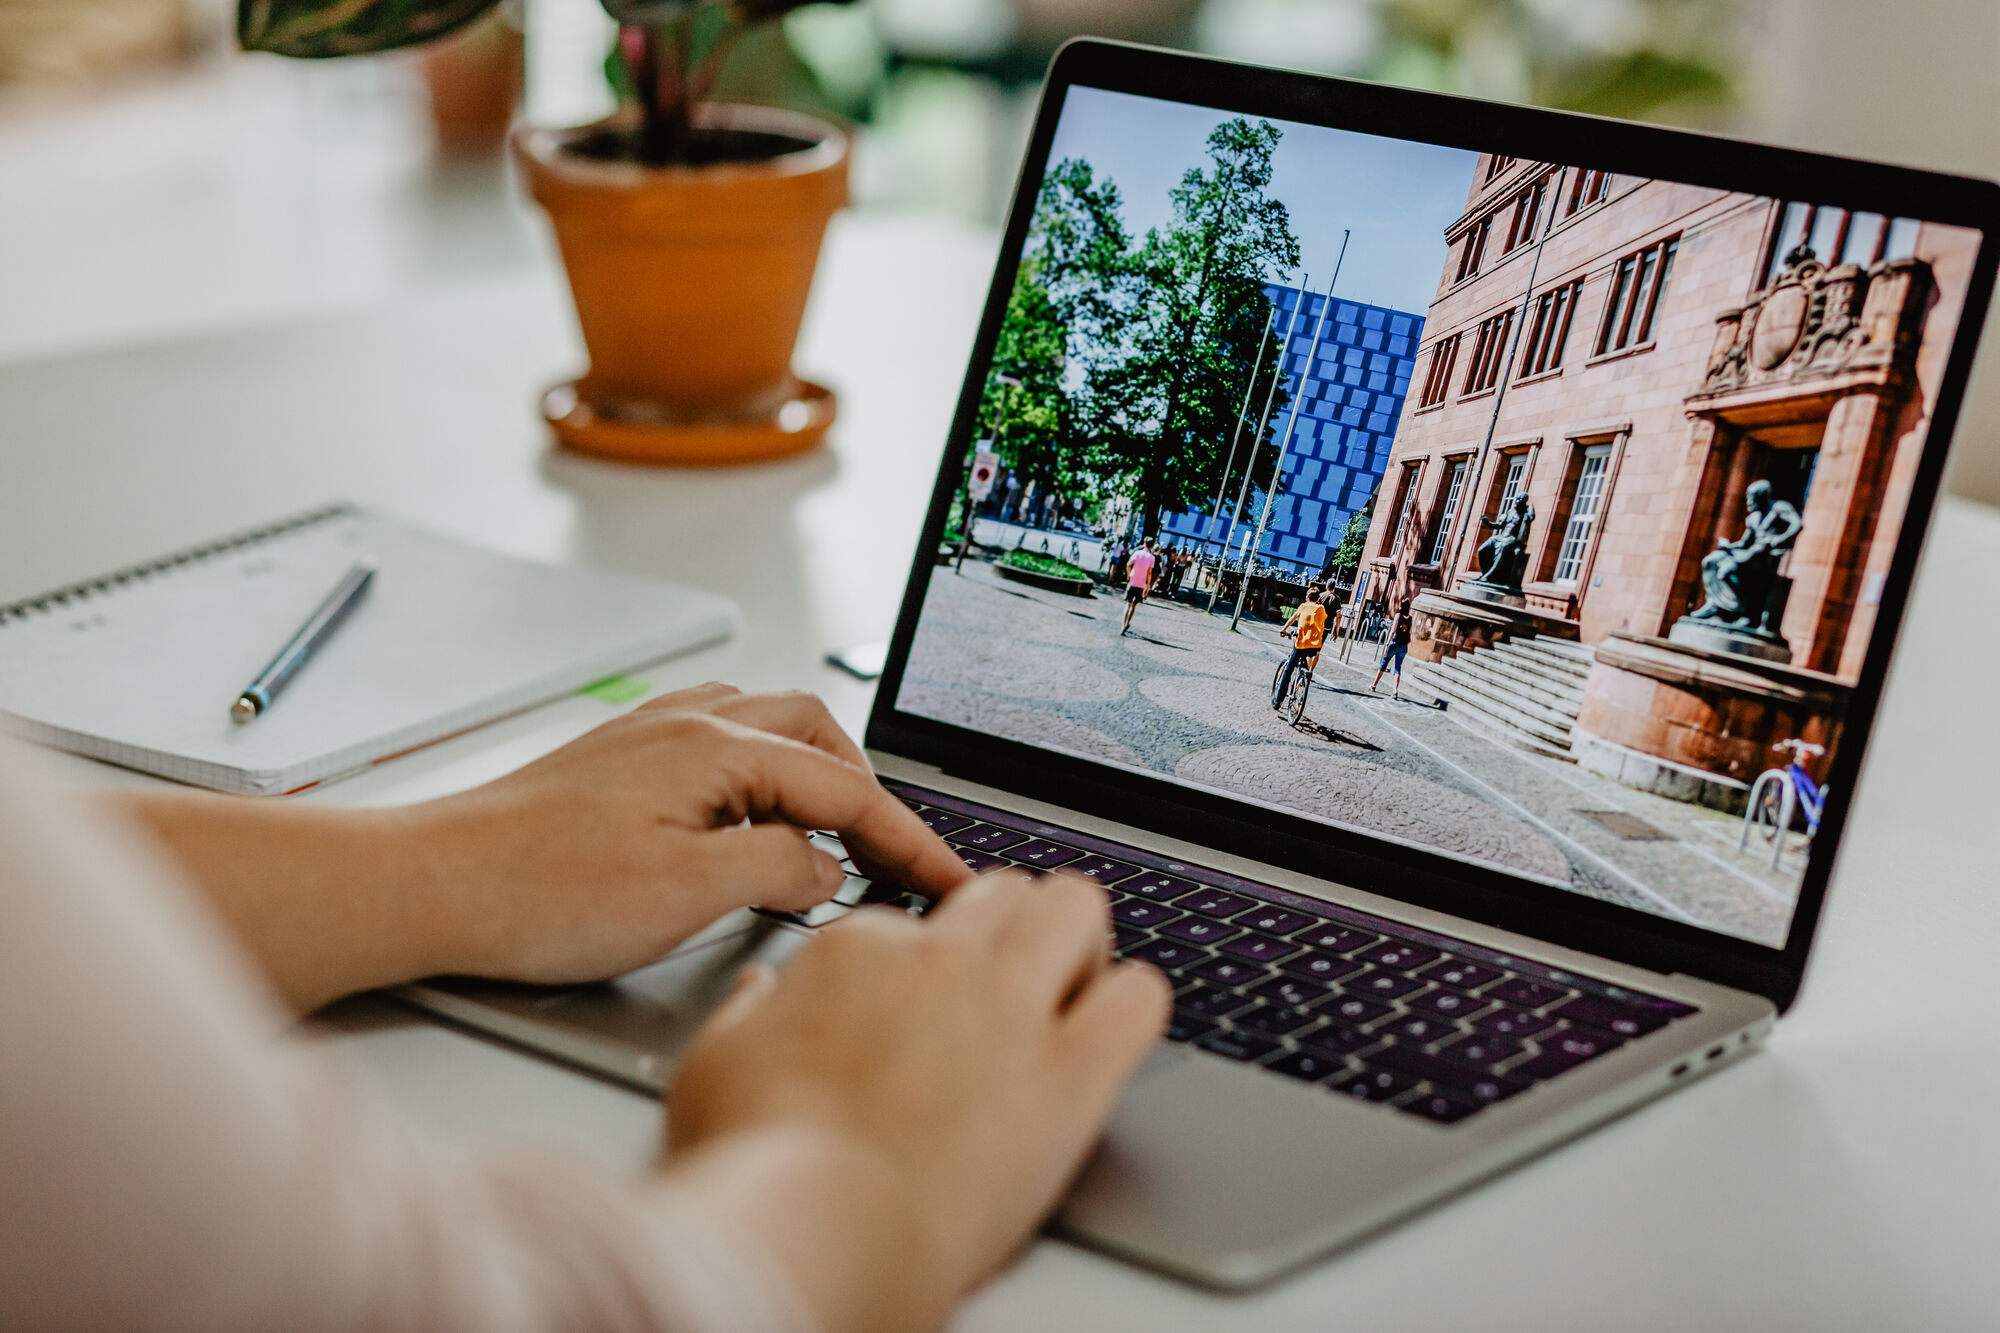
(1511, 510)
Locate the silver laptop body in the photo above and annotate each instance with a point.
(1227, 1173)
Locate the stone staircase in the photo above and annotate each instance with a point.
(1525, 692)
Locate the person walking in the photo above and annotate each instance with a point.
(1138, 580)
(1308, 623)
(1114, 573)
(1398, 651)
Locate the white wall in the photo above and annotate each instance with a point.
(1915, 81)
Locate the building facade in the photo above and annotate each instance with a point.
(1631, 355)
(1350, 399)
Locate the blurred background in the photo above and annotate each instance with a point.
(153, 181)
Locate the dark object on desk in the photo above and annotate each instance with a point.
(262, 692)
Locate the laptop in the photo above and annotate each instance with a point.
(1609, 451)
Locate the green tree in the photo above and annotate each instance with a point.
(1194, 336)
(1345, 558)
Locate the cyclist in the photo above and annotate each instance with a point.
(1309, 624)
(1139, 572)
(1397, 652)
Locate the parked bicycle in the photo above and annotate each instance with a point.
(1779, 794)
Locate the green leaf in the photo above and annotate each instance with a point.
(324, 29)
(1638, 83)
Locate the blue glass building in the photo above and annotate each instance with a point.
(1351, 399)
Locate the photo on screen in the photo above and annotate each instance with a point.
(1513, 510)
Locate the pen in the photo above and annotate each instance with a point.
(262, 692)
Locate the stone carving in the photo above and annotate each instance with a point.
(1503, 557)
(1815, 320)
(1739, 579)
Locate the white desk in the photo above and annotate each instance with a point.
(1847, 1178)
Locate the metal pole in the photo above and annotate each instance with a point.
(965, 494)
(1285, 449)
(1263, 421)
(1236, 435)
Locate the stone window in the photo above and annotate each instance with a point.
(1454, 485)
(1836, 236)
(1474, 253)
(1406, 501)
(1586, 502)
(1513, 480)
(1489, 347)
(1636, 287)
(1444, 355)
(1527, 211)
(1548, 329)
(1497, 164)
(1585, 189)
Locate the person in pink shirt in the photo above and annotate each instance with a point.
(1139, 573)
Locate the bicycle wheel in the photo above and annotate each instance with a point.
(1767, 810)
(1295, 706)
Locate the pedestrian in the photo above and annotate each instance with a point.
(1139, 580)
(1115, 575)
(1397, 651)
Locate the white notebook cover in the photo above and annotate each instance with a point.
(139, 667)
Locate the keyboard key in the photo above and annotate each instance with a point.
(1564, 1051)
(986, 838)
(1336, 938)
(1513, 1023)
(1526, 993)
(1187, 1027)
(1213, 902)
(1483, 1051)
(1162, 888)
(1355, 1009)
(980, 862)
(1200, 930)
(1233, 971)
(1210, 1001)
(1446, 1108)
(1274, 1020)
(1320, 966)
(1374, 1085)
(1307, 1065)
(944, 821)
(1381, 985)
(1618, 1019)
(1139, 912)
(1273, 920)
(1457, 972)
(1433, 1068)
(1446, 1003)
(1261, 949)
(1170, 955)
(1400, 957)
(1338, 1039)
(1043, 855)
(1422, 1029)
(1102, 869)
(1245, 1046)
(1123, 938)
(1292, 991)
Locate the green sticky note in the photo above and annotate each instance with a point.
(617, 689)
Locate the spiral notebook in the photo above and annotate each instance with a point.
(138, 667)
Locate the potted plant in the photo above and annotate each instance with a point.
(690, 228)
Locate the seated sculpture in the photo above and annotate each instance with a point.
(1503, 557)
(1737, 578)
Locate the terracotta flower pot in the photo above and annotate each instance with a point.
(690, 282)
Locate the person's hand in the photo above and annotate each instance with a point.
(604, 855)
(898, 1110)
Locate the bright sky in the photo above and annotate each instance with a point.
(1396, 194)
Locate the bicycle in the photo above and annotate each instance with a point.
(1778, 794)
(1293, 705)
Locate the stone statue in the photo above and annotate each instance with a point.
(1503, 557)
(1738, 578)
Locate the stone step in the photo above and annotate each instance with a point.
(1534, 675)
(1480, 713)
(1557, 656)
(1504, 696)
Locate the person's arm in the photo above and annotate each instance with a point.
(591, 861)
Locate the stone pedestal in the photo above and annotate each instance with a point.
(1499, 594)
(1443, 624)
(1714, 638)
(1696, 724)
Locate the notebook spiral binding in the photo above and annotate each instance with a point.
(86, 589)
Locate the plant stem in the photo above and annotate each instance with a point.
(661, 81)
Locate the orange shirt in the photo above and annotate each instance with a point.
(1312, 625)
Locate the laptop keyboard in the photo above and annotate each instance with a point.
(1360, 1005)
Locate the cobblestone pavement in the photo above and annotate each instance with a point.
(1183, 696)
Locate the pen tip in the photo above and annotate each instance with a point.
(242, 710)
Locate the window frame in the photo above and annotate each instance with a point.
(1451, 495)
(1548, 331)
(1436, 389)
(1632, 310)
(1587, 454)
(1489, 353)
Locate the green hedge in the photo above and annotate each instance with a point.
(1044, 564)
